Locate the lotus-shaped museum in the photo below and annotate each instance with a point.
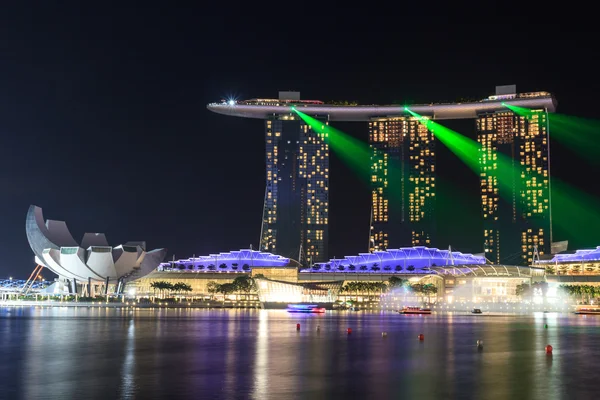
(94, 259)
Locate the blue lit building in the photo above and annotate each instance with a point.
(405, 260)
(458, 276)
(578, 262)
(234, 261)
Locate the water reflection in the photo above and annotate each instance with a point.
(127, 387)
(102, 353)
(261, 376)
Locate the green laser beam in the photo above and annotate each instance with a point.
(494, 163)
(573, 210)
(355, 153)
(581, 135)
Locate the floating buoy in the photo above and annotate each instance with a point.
(349, 331)
(421, 337)
(548, 349)
(383, 334)
(480, 343)
(297, 327)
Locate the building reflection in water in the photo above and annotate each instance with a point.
(128, 388)
(261, 358)
(98, 353)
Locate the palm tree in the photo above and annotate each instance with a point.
(211, 267)
(184, 287)
(212, 287)
(395, 282)
(162, 286)
(154, 287)
(223, 266)
(177, 287)
(429, 289)
(200, 266)
(410, 268)
(350, 287)
(398, 268)
(234, 266)
(363, 267)
(191, 267)
(246, 267)
(352, 267)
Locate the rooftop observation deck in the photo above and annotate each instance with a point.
(266, 108)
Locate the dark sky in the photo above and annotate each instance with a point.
(103, 119)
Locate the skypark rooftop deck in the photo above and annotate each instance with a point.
(266, 108)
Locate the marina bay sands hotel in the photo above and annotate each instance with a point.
(296, 207)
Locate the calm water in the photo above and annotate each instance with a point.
(59, 353)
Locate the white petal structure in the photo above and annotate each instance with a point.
(55, 248)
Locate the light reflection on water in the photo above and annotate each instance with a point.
(57, 353)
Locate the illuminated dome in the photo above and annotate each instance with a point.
(404, 260)
(94, 259)
(233, 261)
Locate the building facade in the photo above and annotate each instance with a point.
(402, 183)
(515, 185)
(91, 266)
(296, 208)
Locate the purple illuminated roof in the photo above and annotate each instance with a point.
(225, 261)
(579, 255)
(403, 260)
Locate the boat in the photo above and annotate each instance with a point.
(588, 310)
(305, 308)
(414, 310)
(476, 311)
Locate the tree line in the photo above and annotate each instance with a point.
(244, 285)
(164, 286)
(392, 283)
(585, 293)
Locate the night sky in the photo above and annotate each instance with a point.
(103, 119)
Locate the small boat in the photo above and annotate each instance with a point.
(476, 311)
(305, 308)
(414, 310)
(587, 310)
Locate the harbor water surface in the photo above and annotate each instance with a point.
(97, 353)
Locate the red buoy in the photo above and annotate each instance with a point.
(421, 337)
(297, 327)
(549, 349)
(349, 331)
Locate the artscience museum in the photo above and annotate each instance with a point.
(91, 266)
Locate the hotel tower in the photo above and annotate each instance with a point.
(518, 223)
(402, 183)
(296, 206)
